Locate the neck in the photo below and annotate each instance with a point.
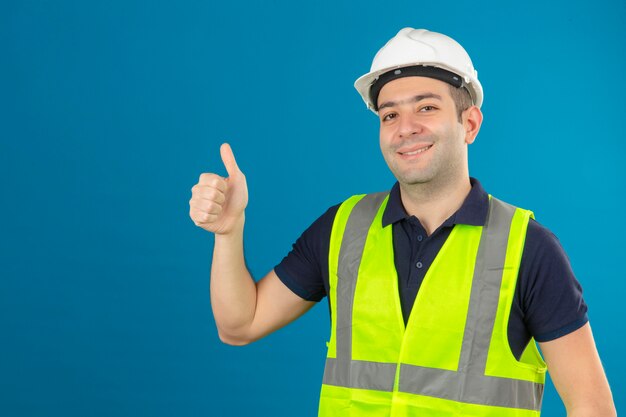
(434, 203)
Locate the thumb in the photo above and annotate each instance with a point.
(229, 160)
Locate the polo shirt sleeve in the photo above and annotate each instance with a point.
(305, 268)
(550, 295)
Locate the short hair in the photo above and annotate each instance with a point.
(462, 100)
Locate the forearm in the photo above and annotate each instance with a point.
(233, 291)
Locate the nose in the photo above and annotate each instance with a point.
(409, 125)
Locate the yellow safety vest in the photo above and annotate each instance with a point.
(453, 357)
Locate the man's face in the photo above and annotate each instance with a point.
(420, 136)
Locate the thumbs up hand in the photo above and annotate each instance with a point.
(217, 204)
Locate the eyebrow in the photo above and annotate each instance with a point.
(414, 99)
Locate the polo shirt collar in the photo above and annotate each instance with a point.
(473, 211)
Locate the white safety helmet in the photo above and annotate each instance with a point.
(424, 50)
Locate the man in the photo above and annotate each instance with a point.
(437, 290)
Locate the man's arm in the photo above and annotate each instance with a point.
(244, 310)
(576, 370)
(268, 306)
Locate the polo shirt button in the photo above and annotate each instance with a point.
(419, 238)
(418, 265)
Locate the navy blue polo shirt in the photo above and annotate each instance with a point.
(548, 301)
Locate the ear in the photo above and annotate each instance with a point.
(472, 119)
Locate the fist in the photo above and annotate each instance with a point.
(217, 204)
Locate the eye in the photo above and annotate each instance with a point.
(389, 116)
(428, 108)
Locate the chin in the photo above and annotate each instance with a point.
(413, 179)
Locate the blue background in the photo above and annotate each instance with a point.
(109, 111)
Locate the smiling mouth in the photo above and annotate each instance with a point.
(417, 151)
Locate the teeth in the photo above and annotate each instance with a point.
(417, 151)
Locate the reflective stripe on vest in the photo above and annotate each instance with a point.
(468, 384)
